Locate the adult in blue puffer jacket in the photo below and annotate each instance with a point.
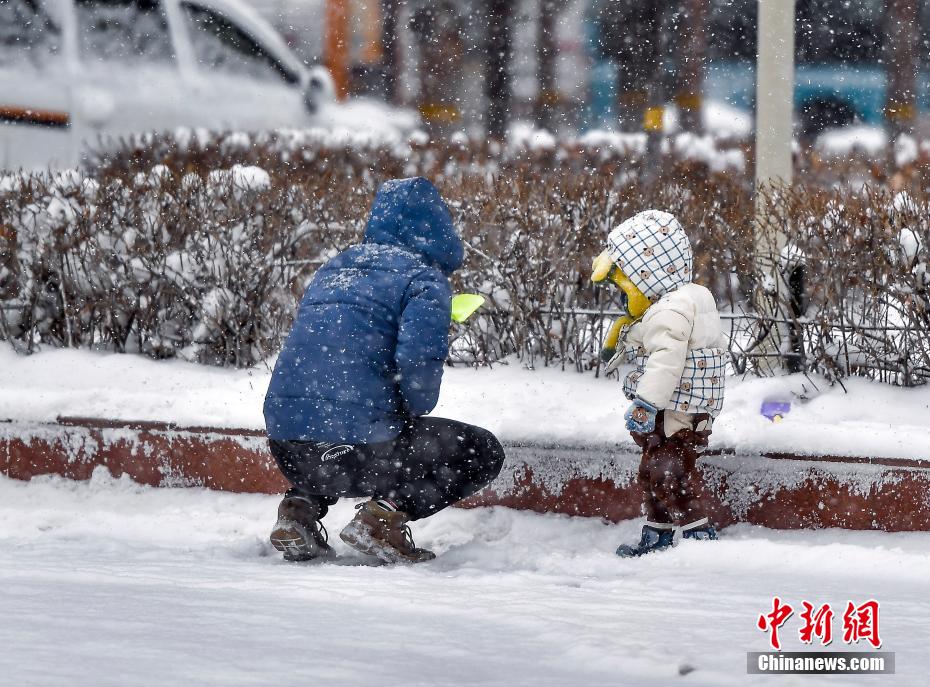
(360, 370)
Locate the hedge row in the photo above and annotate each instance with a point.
(160, 251)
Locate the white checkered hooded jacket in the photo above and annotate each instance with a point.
(677, 346)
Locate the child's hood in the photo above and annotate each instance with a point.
(653, 250)
(412, 214)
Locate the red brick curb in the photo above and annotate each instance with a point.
(775, 490)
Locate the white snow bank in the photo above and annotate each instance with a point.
(846, 141)
(541, 406)
(718, 118)
(525, 136)
(367, 118)
(686, 146)
(621, 142)
(704, 149)
(241, 177)
(109, 583)
(906, 150)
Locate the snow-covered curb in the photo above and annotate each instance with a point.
(173, 423)
(538, 407)
(594, 481)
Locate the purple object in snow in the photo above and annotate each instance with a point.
(775, 410)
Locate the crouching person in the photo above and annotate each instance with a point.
(671, 331)
(360, 370)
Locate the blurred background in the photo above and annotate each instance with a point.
(76, 71)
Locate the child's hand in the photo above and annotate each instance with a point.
(641, 417)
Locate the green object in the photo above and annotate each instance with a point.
(464, 306)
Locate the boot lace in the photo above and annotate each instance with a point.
(408, 536)
(323, 531)
(405, 529)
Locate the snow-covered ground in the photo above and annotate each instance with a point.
(519, 405)
(109, 583)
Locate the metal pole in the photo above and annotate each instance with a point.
(774, 92)
(774, 119)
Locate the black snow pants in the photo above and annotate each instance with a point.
(432, 464)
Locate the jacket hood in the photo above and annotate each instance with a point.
(653, 250)
(411, 213)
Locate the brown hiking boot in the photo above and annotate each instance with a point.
(384, 533)
(299, 534)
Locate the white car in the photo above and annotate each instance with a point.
(72, 71)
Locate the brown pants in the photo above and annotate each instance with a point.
(672, 488)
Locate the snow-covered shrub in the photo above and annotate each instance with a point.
(862, 259)
(199, 245)
(159, 265)
(208, 264)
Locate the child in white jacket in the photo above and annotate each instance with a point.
(672, 332)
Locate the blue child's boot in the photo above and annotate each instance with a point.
(705, 532)
(658, 536)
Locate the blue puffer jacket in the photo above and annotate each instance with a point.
(371, 334)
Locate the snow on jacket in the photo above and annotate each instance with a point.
(678, 345)
(678, 353)
(371, 334)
